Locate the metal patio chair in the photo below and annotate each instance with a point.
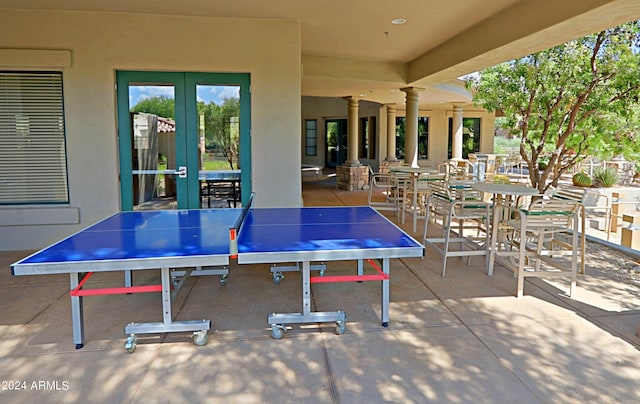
(463, 206)
(592, 205)
(535, 232)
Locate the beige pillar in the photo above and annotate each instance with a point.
(616, 211)
(411, 126)
(391, 133)
(352, 133)
(631, 235)
(456, 146)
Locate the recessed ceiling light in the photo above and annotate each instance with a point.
(398, 21)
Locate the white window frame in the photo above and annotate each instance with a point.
(311, 137)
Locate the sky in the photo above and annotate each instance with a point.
(205, 93)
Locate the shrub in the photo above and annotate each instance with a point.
(501, 179)
(606, 177)
(581, 179)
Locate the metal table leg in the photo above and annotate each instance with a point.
(77, 312)
(278, 321)
(385, 293)
(199, 327)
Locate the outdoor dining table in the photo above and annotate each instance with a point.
(502, 194)
(222, 182)
(415, 173)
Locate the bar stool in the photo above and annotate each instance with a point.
(535, 231)
(461, 207)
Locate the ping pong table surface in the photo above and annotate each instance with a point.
(170, 239)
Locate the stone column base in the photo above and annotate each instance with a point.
(352, 178)
(385, 166)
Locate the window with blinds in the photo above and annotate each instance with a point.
(33, 156)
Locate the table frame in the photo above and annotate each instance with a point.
(500, 192)
(415, 173)
(80, 271)
(226, 178)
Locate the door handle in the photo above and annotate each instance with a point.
(182, 172)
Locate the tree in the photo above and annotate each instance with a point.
(161, 105)
(573, 100)
(222, 127)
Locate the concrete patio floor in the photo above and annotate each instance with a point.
(463, 338)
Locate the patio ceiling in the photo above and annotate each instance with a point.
(352, 48)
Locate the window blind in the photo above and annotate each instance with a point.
(33, 157)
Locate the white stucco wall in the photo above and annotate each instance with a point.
(100, 44)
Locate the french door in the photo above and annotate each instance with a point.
(336, 145)
(175, 129)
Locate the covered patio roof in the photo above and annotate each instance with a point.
(359, 49)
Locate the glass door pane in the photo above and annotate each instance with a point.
(332, 144)
(153, 151)
(218, 108)
(336, 153)
(152, 146)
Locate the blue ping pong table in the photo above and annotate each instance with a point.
(193, 240)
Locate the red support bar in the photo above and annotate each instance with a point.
(115, 291)
(348, 278)
(376, 267)
(84, 280)
(381, 276)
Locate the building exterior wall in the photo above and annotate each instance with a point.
(101, 43)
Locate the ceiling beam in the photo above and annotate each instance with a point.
(524, 28)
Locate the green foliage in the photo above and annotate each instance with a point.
(606, 176)
(502, 145)
(570, 101)
(222, 127)
(214, 165)
(162, 106)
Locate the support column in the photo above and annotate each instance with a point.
(391, 133)
(352, 175)
(456, 146)
(411, 126)
(352, 133)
